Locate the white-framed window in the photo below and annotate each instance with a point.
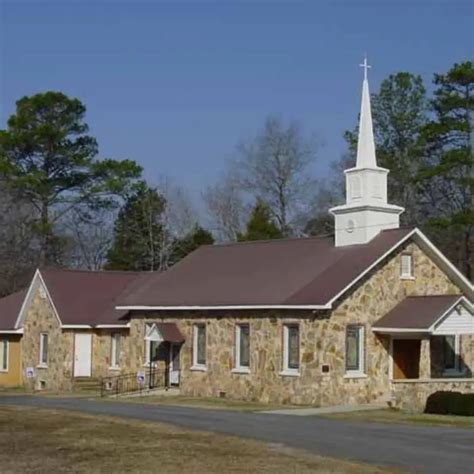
(291, 349)
(151, 347)
(4, 354)
(242, 347)
(406, 266)
(199, 346)
(451, 351)
(43, 360)
(115, 350)
(355, 350)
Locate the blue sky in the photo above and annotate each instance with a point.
(175, 85)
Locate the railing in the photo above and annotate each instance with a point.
(133, 383)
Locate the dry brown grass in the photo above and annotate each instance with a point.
(50, 441)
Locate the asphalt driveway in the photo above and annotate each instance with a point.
(415, 448)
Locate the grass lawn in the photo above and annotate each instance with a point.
(48, 441)
(395, 416)
(202, 402)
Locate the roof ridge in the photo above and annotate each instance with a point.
(269, 241)
(96, 272)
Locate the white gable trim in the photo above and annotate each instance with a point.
(34, 285)
(434, 328)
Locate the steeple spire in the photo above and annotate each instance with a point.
(366, 144)
(366, 211)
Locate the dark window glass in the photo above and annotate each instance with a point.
(201, 344)
(44, 353)
(293, 347)
(4, 354)
(352, 348)
(449, 352)
(244, 345)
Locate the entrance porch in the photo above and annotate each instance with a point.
(431, 348)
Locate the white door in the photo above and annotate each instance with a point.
(174, 364)
(82, 354)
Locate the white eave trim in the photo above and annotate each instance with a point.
(28, 296)
(202, 308)
(11, 331)
(112, 326)
(460, 300)
(401, 330)
(76, 326)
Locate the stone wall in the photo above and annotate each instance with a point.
(411, 395)
(102, 352)
(322, 342)
(57, 375)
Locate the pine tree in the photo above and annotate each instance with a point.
(138, 232)
(446, 179)
(260, 225)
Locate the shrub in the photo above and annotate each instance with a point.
(450, 403)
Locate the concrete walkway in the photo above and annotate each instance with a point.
(325, 410)
(411, 448)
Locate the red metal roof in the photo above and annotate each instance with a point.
(417, 312)
(87, 297)
(170, 332)
(10, 307)
(305, 271)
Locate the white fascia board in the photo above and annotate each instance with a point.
(368, 269)
(76, 326)
(37, 278)
(233, 307)
(11, 331)
(400, 330)
(466, 285)
(112, 326)
(461, 299)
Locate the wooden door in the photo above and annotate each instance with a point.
(406, 358)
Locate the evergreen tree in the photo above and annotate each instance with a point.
(399, 112)
(49, 161)
(260, 225)
(446, 179)
(195, 239)
(138, 232)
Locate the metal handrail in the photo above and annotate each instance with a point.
(133, 382)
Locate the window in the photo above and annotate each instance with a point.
(354, 350)
(242, 347)
(151, 347)
(406, 270)
(451, 353)
(291, 349)
(4, 355)
(115, 350)
(199, 346)
(43, 349)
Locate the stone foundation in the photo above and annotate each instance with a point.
(411, 395)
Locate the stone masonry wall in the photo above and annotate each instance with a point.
(411, 395)
(58, 373)
(322, 342)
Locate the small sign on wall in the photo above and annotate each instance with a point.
(30, 372)
(141, 377)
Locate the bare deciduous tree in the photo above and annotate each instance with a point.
(226, 209)
(274, 168)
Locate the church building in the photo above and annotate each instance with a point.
(375, 313)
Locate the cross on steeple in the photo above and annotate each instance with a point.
(366, 66)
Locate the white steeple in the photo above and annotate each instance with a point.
(366, 144)
(366, 211)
